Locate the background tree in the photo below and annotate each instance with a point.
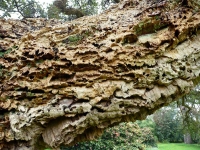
(25, 8)
(54, 12)
(69, 10)
(105, 4)
(180, 119)
(59, 9)
(168, 124)
(78, 8)
(189, 107)
(125, 136)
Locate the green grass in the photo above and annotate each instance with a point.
(173, 146)
(153, 148)
(178, 146)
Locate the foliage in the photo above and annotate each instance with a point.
(106, 3)
(172, 122)
(190, 111)
(25, 8)
(4, 52)
(168, 124)
(178, 146)
(54, 12)
(125, 136)
(59, 9)
(89, 7)
(147, 123)
(69, 10)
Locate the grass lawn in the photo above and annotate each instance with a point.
(178, 146)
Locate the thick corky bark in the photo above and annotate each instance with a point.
(65, 83)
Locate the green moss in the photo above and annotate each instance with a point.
(2, 54)
(1, 73)
(39, 61)
(149, 26)
(4, 98)
(29, 94)
(15, 47)
(16, 89)
(74, 38)
(77, 38)
(5, 52)
(157, 17)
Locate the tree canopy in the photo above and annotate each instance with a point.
(25, 8)
(59, 9)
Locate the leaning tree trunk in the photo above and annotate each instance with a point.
(65, 83)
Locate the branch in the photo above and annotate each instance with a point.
(16, 4)
(60, 4)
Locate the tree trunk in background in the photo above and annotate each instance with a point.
(65, 83)
(187, 138)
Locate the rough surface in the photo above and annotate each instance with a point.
(65, 83)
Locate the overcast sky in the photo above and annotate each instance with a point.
(45, 1)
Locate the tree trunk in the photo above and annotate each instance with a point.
(62, 83)
(187, 138)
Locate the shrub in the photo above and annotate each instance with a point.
(125, 136)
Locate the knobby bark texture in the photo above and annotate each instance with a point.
(61, 83)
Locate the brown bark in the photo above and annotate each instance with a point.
(65, 83)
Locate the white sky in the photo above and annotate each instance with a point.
(45, 1)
